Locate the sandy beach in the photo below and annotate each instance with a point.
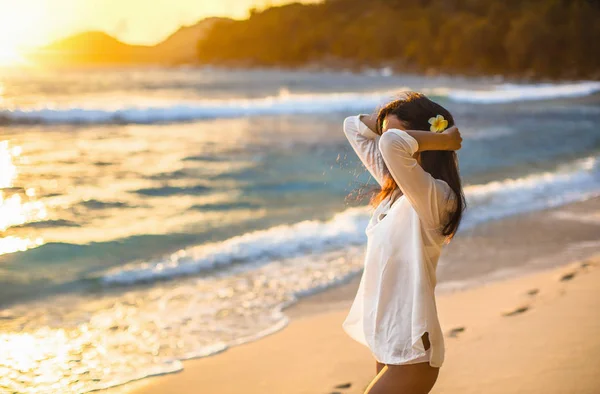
(530, 332)
(535, 334)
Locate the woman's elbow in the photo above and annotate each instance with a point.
(349, 124)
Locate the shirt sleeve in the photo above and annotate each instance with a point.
(365, 143)
(427, 195)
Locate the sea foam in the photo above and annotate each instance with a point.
(514, 93)
(285, 103)
(280, 242)
(575, 181)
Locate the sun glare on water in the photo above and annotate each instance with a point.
(18, 206)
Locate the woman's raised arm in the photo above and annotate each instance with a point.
(365, 143)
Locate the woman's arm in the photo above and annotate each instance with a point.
(426, 194)
(450, 139)
(370, 121)
(365, 143)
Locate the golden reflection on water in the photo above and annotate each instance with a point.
(12, 244)
(18, 206)
(8, 170)
(37, 359)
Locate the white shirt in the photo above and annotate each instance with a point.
(395, 302)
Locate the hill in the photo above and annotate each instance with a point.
(99, 48)
(536, 38)
(92, 48)
(181, 46)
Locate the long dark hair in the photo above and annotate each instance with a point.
(415, 110)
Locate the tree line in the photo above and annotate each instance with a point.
(530, 38)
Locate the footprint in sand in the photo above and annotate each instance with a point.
(343, 386)
(570, 275)
(517, 311)
(533, 292)
(567, 276)
(455, 331)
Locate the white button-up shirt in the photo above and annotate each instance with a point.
(395, 303)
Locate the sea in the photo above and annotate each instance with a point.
(153, 215)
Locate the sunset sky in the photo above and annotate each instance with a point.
(29, 23)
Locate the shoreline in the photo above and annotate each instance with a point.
(564, 240)
(332, 304)
(508, 319)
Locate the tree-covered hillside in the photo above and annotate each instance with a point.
(534, 38)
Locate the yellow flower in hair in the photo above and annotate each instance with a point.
(438, 124)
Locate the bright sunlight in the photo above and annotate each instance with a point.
(9, 56)
(20, 29)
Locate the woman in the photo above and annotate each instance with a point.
(409, 149)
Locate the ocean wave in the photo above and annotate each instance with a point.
(573, 182)
(508, 93)
(148, 331)
(280, 242)
(570, 182)
(285, 103)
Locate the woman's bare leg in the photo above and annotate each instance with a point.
(404, 379)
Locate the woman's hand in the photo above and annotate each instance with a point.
(454, 140)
